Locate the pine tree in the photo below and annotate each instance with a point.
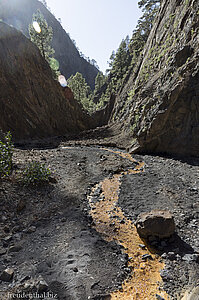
(99, 82)
(125, 58)
(41, 34)
(82, 92)
(44, 2)
(145, 23)
(121, 60)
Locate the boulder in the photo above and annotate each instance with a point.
(192, 295)
(159, 223)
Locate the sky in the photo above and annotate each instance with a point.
(97, 26)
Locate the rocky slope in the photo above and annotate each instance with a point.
(158, 108)
(32, 103)
(18, 13)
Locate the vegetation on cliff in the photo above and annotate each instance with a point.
(19, 14)
(125, 58)
(121, 62)
(41, 35)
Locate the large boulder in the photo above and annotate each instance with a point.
(192, 294)
(157, 223)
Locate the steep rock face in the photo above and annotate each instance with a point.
(158, 108)
(18, 13)
(32, 104)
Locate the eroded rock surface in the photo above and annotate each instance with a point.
(32, 103)
(158, 108)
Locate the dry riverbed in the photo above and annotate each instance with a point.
(51, 240)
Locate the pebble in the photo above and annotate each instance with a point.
(31, 229)
(15, 248)
(2, 252)
(164, 256)
(8, 238)
(42, 286)
(75, 269)
(142, 246)
(7, 275)
(16, 229)
(147, 256)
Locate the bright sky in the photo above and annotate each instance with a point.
(97, 26)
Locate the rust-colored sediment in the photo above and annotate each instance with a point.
(145, 280)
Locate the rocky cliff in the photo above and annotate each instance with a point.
(18, 13)
(158, 108)
(32, 104)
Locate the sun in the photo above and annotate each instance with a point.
(36, 26)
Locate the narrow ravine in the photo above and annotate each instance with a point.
(144, 281)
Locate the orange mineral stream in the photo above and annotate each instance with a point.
(145, 280)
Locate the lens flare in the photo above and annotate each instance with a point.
(62, 80)
(36, 26)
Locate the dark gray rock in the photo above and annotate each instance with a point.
(158, 223)
(7, 274)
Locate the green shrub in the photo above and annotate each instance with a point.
(35, 173)
(6, 152)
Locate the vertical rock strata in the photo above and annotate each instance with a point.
(32, 103)
(159, 106)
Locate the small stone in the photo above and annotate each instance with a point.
(171, 255)
(8, 238)
(15, 248)
(63, 220)
(21, 205)
(27, 277)
(16, 229)
(2, 252)
(42, 286)
(7, 275)
(31, 229)
(147, 256)
(142, 266)
(178, 257)
(164, 256)
(3, 218)
(142, 246)
(75, 269)
(6, 229)
(52, 180)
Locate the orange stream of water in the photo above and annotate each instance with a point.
(145, 280)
